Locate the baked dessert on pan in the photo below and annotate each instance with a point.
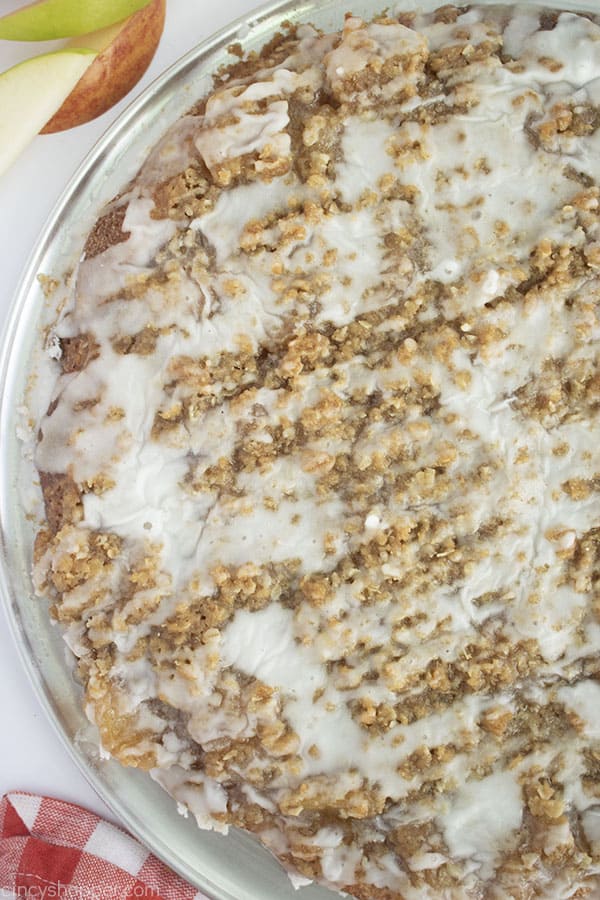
(321, 465)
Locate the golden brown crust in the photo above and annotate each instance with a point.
(77, 352)
(107, 232)
(62, 500)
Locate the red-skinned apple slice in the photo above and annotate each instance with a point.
(124, 53)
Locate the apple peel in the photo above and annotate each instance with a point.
(48, 20)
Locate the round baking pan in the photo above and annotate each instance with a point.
(232, 867)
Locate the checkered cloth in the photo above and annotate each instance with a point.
(51, 849)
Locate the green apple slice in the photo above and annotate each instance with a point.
(47, 20)
(31, 92)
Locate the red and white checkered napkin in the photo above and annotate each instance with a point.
(51, 849)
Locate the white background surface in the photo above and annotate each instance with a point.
(31, 754)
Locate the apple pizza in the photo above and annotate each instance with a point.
(320, 467)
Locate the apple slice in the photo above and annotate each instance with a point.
(31, 92)
(125, 51)
(47, 20)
